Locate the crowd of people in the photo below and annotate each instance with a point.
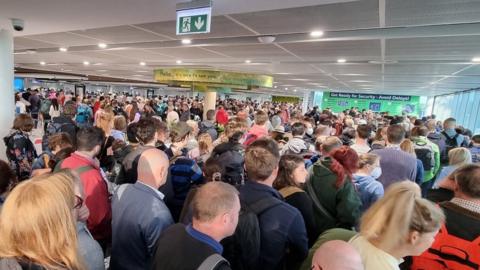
(125, 182)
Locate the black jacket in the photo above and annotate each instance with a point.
(284, 242)
(176, 249)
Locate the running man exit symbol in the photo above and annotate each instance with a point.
(186, 21)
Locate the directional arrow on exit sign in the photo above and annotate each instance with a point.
(199, 23)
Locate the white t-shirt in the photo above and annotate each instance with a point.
(20, 107)
(360, 148)
(374, 258)
(54, 113)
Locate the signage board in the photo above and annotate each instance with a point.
(394, 104)
(194, 21)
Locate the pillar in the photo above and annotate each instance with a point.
(209, 102)
(306, 100)
(7, 101)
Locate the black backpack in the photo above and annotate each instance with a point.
(230, 157)
(425, 154)
(242, 249)
(57, 127)
(450, 143)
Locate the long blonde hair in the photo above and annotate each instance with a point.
(37, 224)
(105, 120)
(205, 143)
(401, 211)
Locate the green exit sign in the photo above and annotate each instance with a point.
(193, 21)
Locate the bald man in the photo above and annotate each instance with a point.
(336, 254)
(139, 214)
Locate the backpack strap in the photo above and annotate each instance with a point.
(287, 191)
(263, 205)
(317, 203)
(78, 170)
(58, 166)
(212, 261)
(83, 169)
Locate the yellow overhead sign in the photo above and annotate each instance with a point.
(213, 77)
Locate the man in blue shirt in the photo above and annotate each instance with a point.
(215, 208)
(139, 214)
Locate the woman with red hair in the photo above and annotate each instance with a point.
(336, 202)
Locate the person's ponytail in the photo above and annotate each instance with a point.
(402, 210)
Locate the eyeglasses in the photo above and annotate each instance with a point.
(78, 203)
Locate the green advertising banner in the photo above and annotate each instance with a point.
(394, 104)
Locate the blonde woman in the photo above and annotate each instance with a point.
(408, 146)
(398, 225)
(37, 228)
(105, 122)
(202, 152)
(457, 157)
(90, 250)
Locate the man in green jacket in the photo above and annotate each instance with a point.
(419, 138)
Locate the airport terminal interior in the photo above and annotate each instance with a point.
(222, 134)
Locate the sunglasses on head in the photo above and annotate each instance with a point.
(78, 203)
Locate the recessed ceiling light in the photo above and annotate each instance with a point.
(63, 49)
(286, 88)
(275, 86)
(316, 34)
(342, 60)
(86, 63)
(186, 41)
(179, 62)
(295, 90)
(142, 63)
(43, 63)
(476, 59)
(248, 61)
(102, 45)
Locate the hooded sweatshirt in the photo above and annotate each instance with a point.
(343, 203)
(369, 189)
(208, 127)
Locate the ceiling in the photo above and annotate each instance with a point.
(390, 46)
